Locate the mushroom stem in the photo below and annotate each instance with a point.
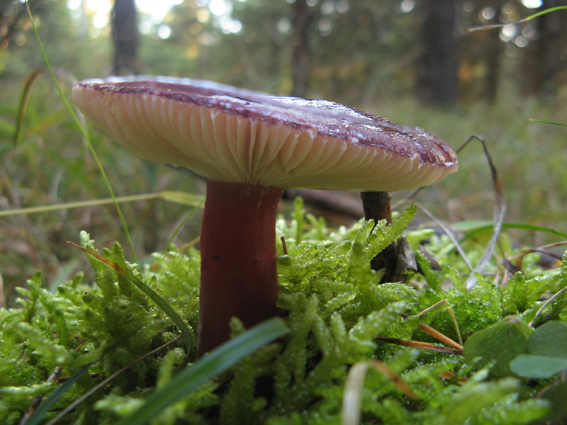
(238, 259)
(377, 207)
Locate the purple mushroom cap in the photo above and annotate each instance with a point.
(234, 135)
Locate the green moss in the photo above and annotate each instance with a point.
(335, 309)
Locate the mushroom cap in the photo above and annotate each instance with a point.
(234, 135)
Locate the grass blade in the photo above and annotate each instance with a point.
(105, 382)
(24, 99)
(46, 405)
(175, 197)
(543, 12)
(549, 122)
(207, 368)
(529, 18)
(182, 198)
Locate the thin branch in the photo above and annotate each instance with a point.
(545, 304)
(421, 345)
(446, 301)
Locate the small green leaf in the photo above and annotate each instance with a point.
(499, 343)
(549, 340)
(539, 367)
(547, 348)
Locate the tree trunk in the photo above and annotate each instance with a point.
(300, 63)
(494, 49)
(542, 57)
(437, 80)
(125, 37)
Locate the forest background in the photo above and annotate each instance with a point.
(414, 62)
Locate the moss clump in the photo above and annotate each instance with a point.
(334, 308)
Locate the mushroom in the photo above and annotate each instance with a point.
(249, 147)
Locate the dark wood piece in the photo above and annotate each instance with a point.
(125, 37)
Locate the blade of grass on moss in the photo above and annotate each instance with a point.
(106, 381)
(47, 404)
(207, 368)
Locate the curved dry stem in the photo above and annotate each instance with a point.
(354, 385)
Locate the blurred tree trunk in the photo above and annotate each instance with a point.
(494, 50)
(542, 57)
(437, 80)
(125, 37)
(300, 63)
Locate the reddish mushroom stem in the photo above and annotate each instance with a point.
(238, 259)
